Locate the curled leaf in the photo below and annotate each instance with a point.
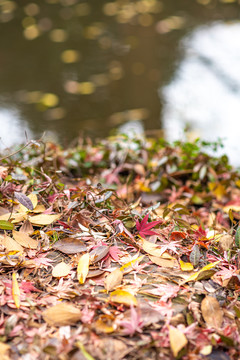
(83, 268)
(15, 291)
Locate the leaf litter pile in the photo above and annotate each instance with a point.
(127, 249)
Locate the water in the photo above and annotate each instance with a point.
(70, 67)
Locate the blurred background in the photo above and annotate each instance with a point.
(75, 67)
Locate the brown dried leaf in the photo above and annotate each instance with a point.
(226, 242)
(44, 219)
(212, 312)
(61, 314)
(170, 263)
(151, 248)
(61, 269)
(98, 253)
(25, 240)
(10, 244)
(27, 228)
(113, 279)
(70, 246)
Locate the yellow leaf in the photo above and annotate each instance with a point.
(39, 209)
(151, 248)
(113, 279)
(205, 268)
(15, 291)
(83, 268)
(10, 244)
(123, 297)
(34, 200)
(177, 340)
(61, 269)
(130, 263)
(44, 219)
(4, 351)
(19, 217)
(105, 324)
(186, 266)
(25, 240)
(61, 314)
(217, 189)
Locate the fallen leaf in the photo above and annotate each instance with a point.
(123, 297)
(144, 227)
(195, 255)
(186, 266)
(27, 228)
(83, 268)
(10, 244)
(225, 242)
(15, 291)
(131, 263)
(113, 279)
(70, 246)
(25, 240)
(160, 261)
(62, 314)
(6, 225)
(212, 312)
(44, 219)
(195, 276)
(26, 203)
(151, 248)
(61, 269)
(177, 340)
(105, 324)
(98, 253)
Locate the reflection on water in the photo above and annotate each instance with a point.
(204, 94)
(12, 127)
(85, 66)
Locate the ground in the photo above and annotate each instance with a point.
(124, 249)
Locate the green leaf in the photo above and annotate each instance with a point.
(237, 237)
(6, 225)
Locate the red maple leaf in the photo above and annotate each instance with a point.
(144, 227)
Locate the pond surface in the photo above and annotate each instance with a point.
(71, 67)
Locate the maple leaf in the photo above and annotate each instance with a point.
(133, 324)
(144, 227)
